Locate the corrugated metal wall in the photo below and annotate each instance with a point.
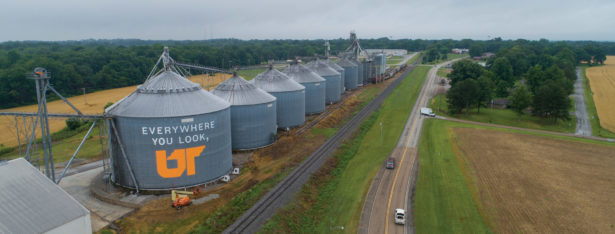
(360, 74)
(332, 93)
(290, 108)
(150, 143)
(315, 97)
(350, 71)
(253, 126)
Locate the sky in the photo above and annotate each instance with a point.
(55, 20)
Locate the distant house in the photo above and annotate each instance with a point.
(460, 51)
(32, 203)
(499, 103)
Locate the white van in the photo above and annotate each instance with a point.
(427, 111)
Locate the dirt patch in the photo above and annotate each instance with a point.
(532, 184)
(602, 84)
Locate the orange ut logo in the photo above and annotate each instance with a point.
(184, 158)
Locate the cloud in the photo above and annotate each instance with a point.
(283, 19)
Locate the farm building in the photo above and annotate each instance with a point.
(333, 78)
(253, 113)
(290, 96)
(166, 119)
(31, 203)
(314, 84)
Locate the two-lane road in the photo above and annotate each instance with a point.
(393, 189)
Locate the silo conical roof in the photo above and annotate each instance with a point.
(346, 63)
(322, 69)
(167, 94)
(334, 65)
(302, 74)
(273, 81)
(239, 91)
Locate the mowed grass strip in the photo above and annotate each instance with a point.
(601, 81)
(443, 200)
(338, 201)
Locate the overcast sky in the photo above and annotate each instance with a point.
(307, 19)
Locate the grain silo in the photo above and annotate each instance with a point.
(332, 91)
(169, 133)
(351, 72)
(314, 84)
(339, 69)
(253, 113)
(290, 97)
(360, 75)
(368, 73)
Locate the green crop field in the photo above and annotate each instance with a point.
(348, 187)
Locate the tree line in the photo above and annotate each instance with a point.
(104, 64)
(536, 74)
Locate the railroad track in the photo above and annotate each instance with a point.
(265, 208)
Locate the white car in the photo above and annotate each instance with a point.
(400, 216)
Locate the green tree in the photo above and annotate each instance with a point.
(503, 70)
(476, 50)
(599, 57)
(462, 95)
(534, 78)
(486, 89)
(465, 69)
(520, 99)
(551, 101)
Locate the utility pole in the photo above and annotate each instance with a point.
(85, 101)
(381, 139)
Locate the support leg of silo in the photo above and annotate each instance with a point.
(119, 141)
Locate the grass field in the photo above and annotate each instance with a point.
(505, 117)
(450, 56)
(443, 201)
(250, 74)
(602, 84)
(95, 103)
(349, 185)
(63, 149)
(414, 58)
(393, 61)
(475, 179)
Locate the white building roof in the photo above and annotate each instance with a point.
(32, 203)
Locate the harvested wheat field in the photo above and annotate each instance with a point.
(95, 103)
(534, 184)
(602, 84)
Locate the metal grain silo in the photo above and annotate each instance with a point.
(169, 133)
(314, 84)
(367, 71)
(351, 72)
(339, 69)
(290, 97)
(253, 113)
(334, 80)
(360, 73)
